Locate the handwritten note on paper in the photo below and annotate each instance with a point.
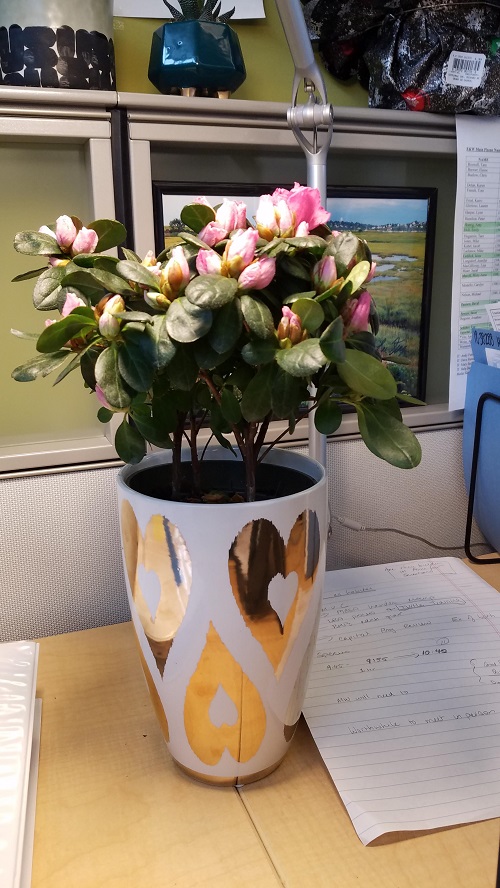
(404, 695)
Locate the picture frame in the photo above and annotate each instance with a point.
(399, 226)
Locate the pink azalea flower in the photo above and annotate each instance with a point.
(265, 218)
(371, 273)
(258, 274)
(306, 204)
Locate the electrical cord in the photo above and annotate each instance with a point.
(355, 525)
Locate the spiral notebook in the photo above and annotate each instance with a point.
(19, 734)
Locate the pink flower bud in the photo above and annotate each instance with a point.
(258, 274)
(208, 262)
(286, 220)
(156, 300)
(360, 317)
(85, 241)
(72, 301)
(324, 274)
(239, 252)
(265, 218)
(174, 276)
(150, 263)
(231, 215)
(65, 231)
(290, 326)
(44, 229)
(212, 234)
(109, 324)
(102, 400)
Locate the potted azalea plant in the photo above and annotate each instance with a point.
(241, 322)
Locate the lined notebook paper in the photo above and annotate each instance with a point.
(404, 695)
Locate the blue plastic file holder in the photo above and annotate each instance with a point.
(474, 469)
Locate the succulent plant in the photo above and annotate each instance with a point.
(202, 10)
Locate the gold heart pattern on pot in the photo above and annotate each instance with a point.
(222, 708)
(159, 573)
(258, 555)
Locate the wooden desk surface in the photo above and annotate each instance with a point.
(114, 812)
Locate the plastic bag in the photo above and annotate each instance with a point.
(444, 60)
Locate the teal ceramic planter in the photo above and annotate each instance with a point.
(195, 54)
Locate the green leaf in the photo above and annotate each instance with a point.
(35, 243)
(364, 374)
(183, 370)
(164, 347)
(226, 327)
(193, 240)
(110, 232)
(259, 351)
(304, 359)
(111, 283)
(211, 290)
(408, 399)
(196, 216)
(130, 255)
(327, 417)
(186, 322)
(137, 358)
(27, 275)
(363, 340)
(356, 277)
(256, 402)
(58, 334)
(139, 274)
(332, 343)
(343, 248)
(104, 415)
(230, 407)
(287, 394)
(257, 317)
(87, 285)
(47, 287)
(42, 365)
(387, 437)
(87, 366)
(149, 428)
(310, 313)
(71, 365)
(129, 443)
(136, 317)
(309, 242)
(206, 357)
(108, 377)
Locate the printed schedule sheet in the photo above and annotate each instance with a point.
(403, 699)
(476, 263)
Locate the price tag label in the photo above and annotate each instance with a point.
(465, 68)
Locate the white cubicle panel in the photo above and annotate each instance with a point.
(55, 158)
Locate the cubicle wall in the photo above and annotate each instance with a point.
(61, 565)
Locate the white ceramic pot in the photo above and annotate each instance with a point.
(57, 43)
(225, 601)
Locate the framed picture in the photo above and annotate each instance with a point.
(399, 227)
(169, 198)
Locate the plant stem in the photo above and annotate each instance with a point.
(195, 460)
(250, 460)
(176, 456)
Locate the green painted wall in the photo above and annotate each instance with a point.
(267, 60)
